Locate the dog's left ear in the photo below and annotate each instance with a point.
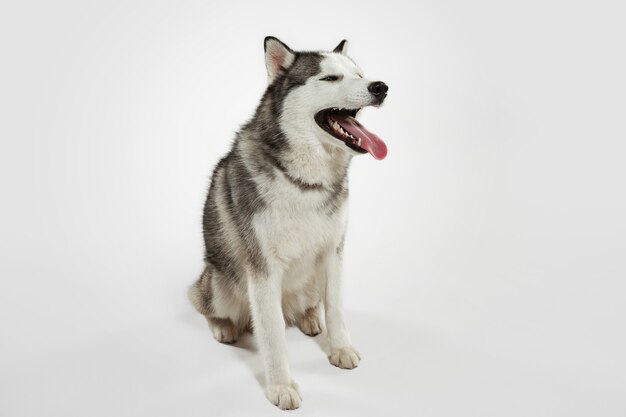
(342, 48)
(278, 57)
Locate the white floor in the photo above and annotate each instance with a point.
(173, 367)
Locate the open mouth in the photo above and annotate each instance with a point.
(342, 124)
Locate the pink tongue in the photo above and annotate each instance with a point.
(369, 141)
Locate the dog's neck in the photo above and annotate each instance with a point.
(313, 162)
(295, 145)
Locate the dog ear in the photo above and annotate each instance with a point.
(278, 57)
(342, 48)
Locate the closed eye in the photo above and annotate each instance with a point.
(330, 78)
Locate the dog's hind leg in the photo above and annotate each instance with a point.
(203, 297)
(224, 330)
(310, 321)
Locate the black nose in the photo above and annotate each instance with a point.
(378, 88)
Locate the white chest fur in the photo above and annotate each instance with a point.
(288, 230)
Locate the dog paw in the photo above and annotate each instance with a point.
(224, 330)
(309, 323)
(284, 396)
(345, 357)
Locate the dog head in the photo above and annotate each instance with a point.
(319, 94)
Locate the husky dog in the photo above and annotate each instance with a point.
(276, 212)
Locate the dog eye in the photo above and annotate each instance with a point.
(330, 78)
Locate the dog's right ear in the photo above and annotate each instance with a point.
(342, 48)
(278, 58)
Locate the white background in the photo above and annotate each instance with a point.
(485, 258)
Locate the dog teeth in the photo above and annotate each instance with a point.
(349, 138)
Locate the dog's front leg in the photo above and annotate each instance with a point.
(269, 329)
(342, 353)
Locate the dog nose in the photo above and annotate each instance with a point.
(378, 88)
